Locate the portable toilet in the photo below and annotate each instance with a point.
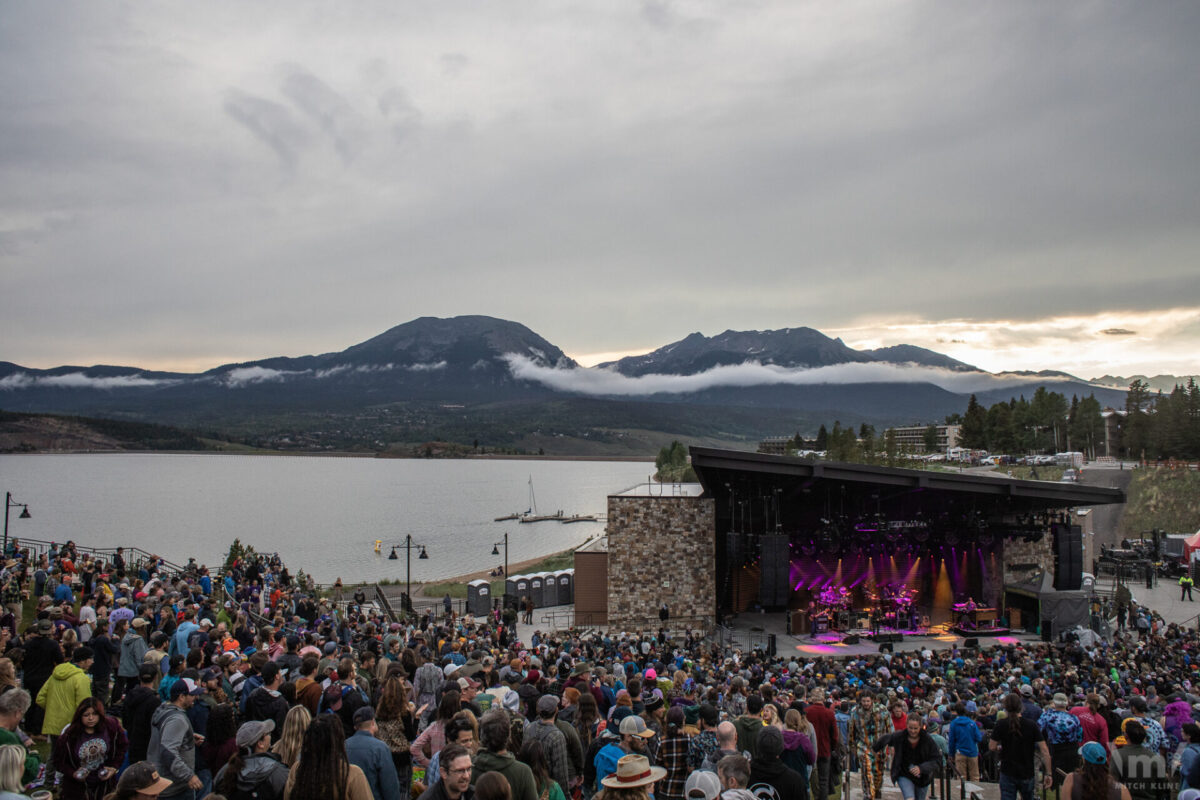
(565, 578)
(479, 597)
(516, 587)
(536, 582)
(549, 589)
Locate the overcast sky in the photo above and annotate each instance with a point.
(1015, 184)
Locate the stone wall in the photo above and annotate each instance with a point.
(660, 550)
(1025, 560)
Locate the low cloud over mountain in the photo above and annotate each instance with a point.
(608, 382)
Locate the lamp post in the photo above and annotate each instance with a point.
(496, 552)
(10, 503)
(409, 544)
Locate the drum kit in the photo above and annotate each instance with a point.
(893, 606)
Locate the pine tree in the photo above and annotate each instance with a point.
(973, 434)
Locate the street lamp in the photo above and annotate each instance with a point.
(496, 552)
(10, 503)
(409, 544)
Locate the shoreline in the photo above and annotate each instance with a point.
(336, 454)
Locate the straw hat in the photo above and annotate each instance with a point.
(634, 770)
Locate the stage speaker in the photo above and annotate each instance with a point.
(886, 647)
(774, 574)
(771, 645)
(1047, 630)
(1068, 561)
(971, 644)
(851, 639)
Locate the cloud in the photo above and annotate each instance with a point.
(1118, 332)
(244, 376)
(79, 380)
(270, 122)
(752, 373)
(332, 112)
(426, 367)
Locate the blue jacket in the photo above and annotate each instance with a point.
(606, 761)
(374, 758)
(964, 737)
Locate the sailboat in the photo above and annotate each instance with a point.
(528, 512)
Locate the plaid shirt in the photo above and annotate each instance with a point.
(673, 754)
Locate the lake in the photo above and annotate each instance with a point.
(322, 514)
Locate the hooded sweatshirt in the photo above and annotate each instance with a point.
(748, 728)
(964, 737)
(172, 748)
(519, 776)
(770, 772)
(61, 695)
(257, 768)
(799, 752)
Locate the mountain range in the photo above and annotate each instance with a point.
(480, 379)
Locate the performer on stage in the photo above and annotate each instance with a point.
(868, 722)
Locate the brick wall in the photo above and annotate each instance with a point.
(660, 549)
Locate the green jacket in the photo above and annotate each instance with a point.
(519, 776)
(32, 761)
(61, 695)
(748, 728)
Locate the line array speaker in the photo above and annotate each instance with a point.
(773, 588)
(1068, 557)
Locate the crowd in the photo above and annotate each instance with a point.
(135, 680)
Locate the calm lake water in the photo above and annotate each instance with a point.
(320, 514)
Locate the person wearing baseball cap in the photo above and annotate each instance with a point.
(372, 756)
(140, 779)
(1094, 772)
(172, 748)
(253, 770)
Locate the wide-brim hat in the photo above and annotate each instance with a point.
(634, 770)
(581, 668)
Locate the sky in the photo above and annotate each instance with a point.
(1017, 184)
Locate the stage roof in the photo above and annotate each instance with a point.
(721, 471)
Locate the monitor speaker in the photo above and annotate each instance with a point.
(971, 644)
(851, 639)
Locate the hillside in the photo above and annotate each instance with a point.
(1167, 499)
(26, 433)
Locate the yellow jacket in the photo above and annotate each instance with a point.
(61, 695)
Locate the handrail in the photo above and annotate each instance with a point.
(384, 604)
(133, 555)
(552, 619)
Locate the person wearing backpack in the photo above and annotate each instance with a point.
(254, 772)
(343, 697)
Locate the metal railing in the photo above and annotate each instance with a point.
(556, 621)
(134, 556)
(384, 604)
